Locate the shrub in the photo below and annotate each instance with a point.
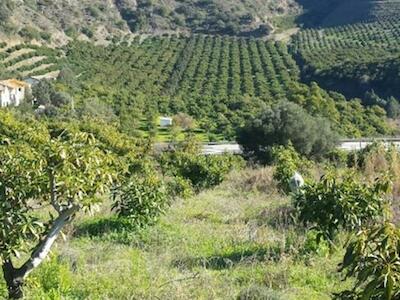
(202, 171)
(141, 199)
(29, 33)
(373, 258)
(338, 157)
(253, 180)
(288, 161)
(332, 204)
(180, 187)
(282, 124)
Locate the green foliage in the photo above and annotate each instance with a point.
(373, 258)
(48, 173)
(28, 167)
(282, 124)
(287, 162)
(19, 65)
(180, 187)
(353, 59)
(53, 278)
(221, 82)
(334, 204)
(201, 171)
(141, 199)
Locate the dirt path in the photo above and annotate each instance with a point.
(285, 35)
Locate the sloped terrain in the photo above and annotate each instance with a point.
(105, 20)
(340, 12)
(220, 81)
(100, 20)
(23, 60)
(352, 59)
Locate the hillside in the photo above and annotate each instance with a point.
(23, 60)
(104, 19)
(220, 81)
(231, 243)
(340, 12)
(353, 59)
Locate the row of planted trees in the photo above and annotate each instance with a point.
(219, 81)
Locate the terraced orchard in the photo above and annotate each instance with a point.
(221, 81)
(364, 56)
(23, 60)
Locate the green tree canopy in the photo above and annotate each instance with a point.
(64, 166)
(285, 123)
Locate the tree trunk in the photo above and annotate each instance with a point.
(14, 280)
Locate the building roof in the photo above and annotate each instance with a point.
(13, 83)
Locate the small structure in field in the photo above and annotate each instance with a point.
(31, 81)
(12, 92)
(166, 122)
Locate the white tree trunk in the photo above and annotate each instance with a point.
(45, 245)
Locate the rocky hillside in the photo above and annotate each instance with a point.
(102, 19)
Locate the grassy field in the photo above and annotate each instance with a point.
(236, 241)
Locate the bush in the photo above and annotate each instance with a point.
(332, 204)
(180, 187)
(141, 200)
(288, 161)
(202, 171)
(373, 259)
(282, 124)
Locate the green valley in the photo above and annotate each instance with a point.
(200, 149)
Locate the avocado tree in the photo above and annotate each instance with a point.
(47, 176)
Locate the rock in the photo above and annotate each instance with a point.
(296, 182)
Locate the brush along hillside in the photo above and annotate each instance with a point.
(101, 20)
(220, 81)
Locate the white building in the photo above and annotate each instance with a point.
(165, 122)
(12, 92)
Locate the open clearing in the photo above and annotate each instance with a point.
(222, 243)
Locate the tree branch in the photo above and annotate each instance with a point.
(43, 249)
